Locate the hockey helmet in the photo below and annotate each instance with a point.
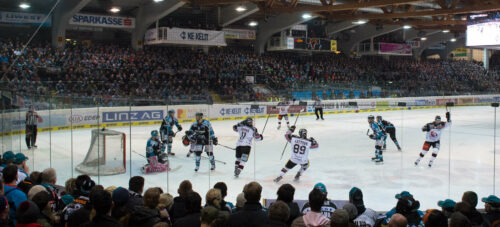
(379, 118)
(438, 118)
(171, 112)
(185, 141)
(200, 114)
(249, 121)
(371, 118)
(154, 133)
(303, 133)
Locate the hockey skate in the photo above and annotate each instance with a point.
(171, 153)
(278, 179)
(189, 154)
(297, 176)
(416, 162)
(237, 172)
(212, 168)
(196, 168)
(399, 148)
(379, 160)
(384, 147)
(430, 164)
(374, 158)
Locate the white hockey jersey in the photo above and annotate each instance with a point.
(246, 135)
(434, 131)
(300, 148)
(282, 108)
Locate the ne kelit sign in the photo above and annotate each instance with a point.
(102, 21)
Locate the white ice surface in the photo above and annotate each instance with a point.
(341, 161)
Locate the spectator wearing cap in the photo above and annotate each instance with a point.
(135, 189)
(14, 195)
(447, 206)
(408, 207)
(179, 208)
(278, 214)
(4, 211)
(352, 211)
(402, 195)
(84, 185)
(327, 208)
(27, 214)
(435, 218)
(20, 161)
(120, 212)
(148, 215)
(192, 201)
(227, 206)
(314, 217)
(102, 203)
(398, 220)
(49, 179)
(366, 216)
(286, 193)
(7, 158)
(492, 208)
(474, 216)
(252, 213)
(340, 218)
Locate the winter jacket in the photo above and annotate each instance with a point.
(311, 219)
(15, 197)
(274, 223)
(144, 217)
(134, 200)
(491, 217)
(178, 209)
(190, 220)
(103, 221)
(251, 215)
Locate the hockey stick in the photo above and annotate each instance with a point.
(367, 131)
(267, 119)
(226, 147)
(219, 161)
(140, 154)
(286, 144)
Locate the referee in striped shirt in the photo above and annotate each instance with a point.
(32, 119)
(318, 108)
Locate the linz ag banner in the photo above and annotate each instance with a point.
(291, 109)
(102, 21)
(24, 18)
(196, 37)
(124, 116)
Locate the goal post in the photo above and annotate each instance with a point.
(106, 154)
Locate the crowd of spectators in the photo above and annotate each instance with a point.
(36, 199)
(167, 73)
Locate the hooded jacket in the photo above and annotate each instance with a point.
(143, 216)
(311, 219)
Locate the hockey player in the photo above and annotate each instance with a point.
(379, 136)
(300, 152)
(433, 136)
(154, 155)
(246, 133)
(388, 128)
(167, 132)
(201, 136)
(283, 112)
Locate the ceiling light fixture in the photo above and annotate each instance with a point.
(306, 15)
(453, 40)
(446, 31)
(423, 38)
(114, 10)
(359, 22)
(253, 23)
(241, 9)
(406, 27)
(157, 0)
(24, 5)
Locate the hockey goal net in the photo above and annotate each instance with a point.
(106, 155)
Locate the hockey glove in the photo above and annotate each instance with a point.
(425, 128)
(448, 117)
(292, 128)
(259, 136)
(215, 141)
(188, 133)
(372, 136)
(179, 128)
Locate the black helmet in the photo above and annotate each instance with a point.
(303, 133)
(249, 121)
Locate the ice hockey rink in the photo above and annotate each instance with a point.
(465, 161)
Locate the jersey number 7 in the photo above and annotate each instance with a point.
(299, 149)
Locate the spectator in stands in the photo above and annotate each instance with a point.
(27, 214)
(227, 206)
(120, 212)
(4, 211)
(35, 190)
(35, 177)
(20, 161)
(7, 158)
(84, 184)
(49, 179)
(492, 208)
(192, 201)
(408, 207)
(435, 218)
(366, 216)
(402, 195)
(352, 211)
(102, 203)
(252, 213)
(45, 217)
(314, 217)
(214, 198)
(208, 216)
(278, 215)
(474, 216)
(447, 207)
(166, 202)
(240, 202)
(327, 208)
(340, 218)
(148, 215)
(135, 188)
(179, 208)
(457, 219)
(70, 186)
(285, 194)
(83, 214)
(398, 220)
(13, 194)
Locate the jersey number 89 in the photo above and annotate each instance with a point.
(299, 149)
